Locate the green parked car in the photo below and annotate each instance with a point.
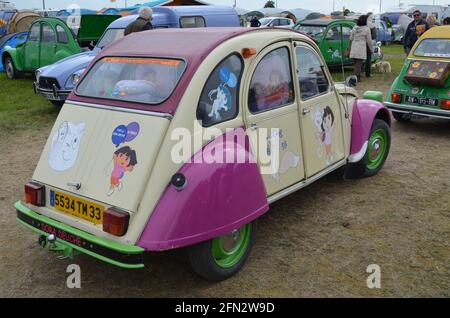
(51, 39)
(333, 38)
(422, 88)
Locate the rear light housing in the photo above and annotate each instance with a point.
(396, 98)
(115, 221)
(34, 193)
(445, 104)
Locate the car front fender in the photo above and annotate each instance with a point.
(15, 56)
(217, 198)
(364, 113)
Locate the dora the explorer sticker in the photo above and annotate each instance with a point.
(124, 158)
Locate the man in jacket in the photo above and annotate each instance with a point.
(142, 23)
(415, 29)
(254, 23)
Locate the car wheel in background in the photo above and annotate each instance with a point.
(10, 69)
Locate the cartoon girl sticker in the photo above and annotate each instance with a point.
(326, 134)
(124, 160)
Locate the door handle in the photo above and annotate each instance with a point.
(253, 126)
(305, 111)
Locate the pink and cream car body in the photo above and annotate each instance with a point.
(110, 182)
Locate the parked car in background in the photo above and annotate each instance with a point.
(112, 181)
(333, 38)
(10, 41)
(276, 22)
(423, 85)
(50, 40)
(56, 81)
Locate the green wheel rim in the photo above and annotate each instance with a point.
(377, 147)
(227, 250)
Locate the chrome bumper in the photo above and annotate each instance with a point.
(418, 110)
(51, 94)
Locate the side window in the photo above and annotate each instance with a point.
(346, 31)
(333, 34)
(311, 76)
(271, 86)
(284, 22)
(62, 35)
(219, 100)
(192, 22)
(48, 35)
(275, 22)
(35, 32)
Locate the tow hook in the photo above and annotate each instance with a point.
(49, 242)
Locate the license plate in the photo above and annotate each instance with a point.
(422, 100)
(77, 207)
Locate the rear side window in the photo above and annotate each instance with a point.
(311, 76)
(35, 32)
(48, 35)
(192, 22)
(142, 80)
(272, 86)
(62, 35)
(433, 48)
(219, 100)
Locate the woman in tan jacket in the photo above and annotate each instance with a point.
(361, 41)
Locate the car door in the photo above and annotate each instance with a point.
(331, 46)
(320, 114)
(63, 39)
(48, 45)
(272, 118)
(31, 48)
(346, 32)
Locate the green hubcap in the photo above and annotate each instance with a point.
(229, 249)
(376, 149)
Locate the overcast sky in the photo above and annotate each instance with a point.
(324, 6)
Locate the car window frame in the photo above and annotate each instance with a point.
(291, 73)
(322, 66)
(43, 23)
(57, 34)
(75, 90)
(39, 24)
(192, 16)
(238, 92)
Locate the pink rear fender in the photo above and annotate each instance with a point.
(364, 113)
(218, 197)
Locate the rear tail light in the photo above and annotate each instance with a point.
(396, 97)
(35, 193)
(445, 104)
(115, 221)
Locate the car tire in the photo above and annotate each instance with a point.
(10, 69)
(401, 117)
(57, 103)
(222, 257)
(379, 144)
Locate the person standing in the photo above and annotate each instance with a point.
(361, 44)
(142, 23)
(254, 23)
(373, 35)
(415, 29)
(431, 21)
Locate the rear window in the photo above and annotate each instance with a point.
(433, 48)
(142, 80)
(312, 30)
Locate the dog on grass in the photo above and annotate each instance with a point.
(382, 67)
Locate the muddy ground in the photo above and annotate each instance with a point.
(316, 242)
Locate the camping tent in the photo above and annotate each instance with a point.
(12, 21)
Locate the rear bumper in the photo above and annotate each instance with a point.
(51, 94)
(417, 110)
(121, 255)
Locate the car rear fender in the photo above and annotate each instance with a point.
(217, 198)
(364, 113)
(12, 52)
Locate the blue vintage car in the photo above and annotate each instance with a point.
(56, 81)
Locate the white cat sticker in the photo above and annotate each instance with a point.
(65, 145)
